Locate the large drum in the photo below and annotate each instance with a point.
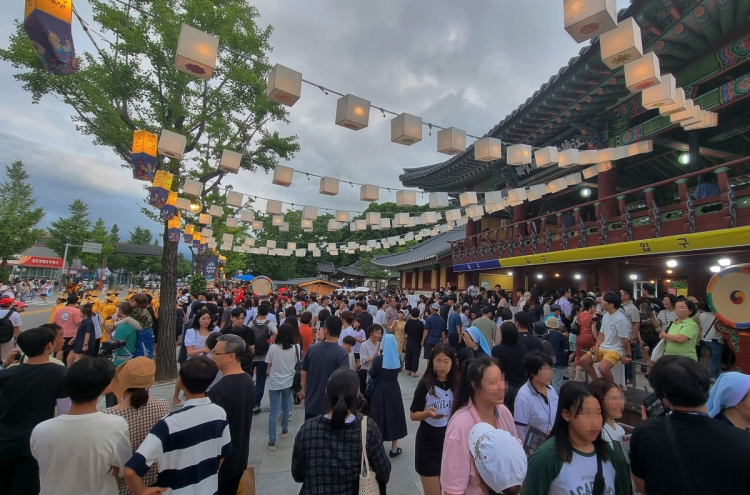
(727, 295)
(261, 286)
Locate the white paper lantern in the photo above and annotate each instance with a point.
(171, 144)
(538, 190)
(249, 241)
(462, 221)
(316, 253)
(519, 154)
(342, 216)
(409, 236)
(493, 197)
(642, 73)
(234, 199)
(262, 250)
(215, 211)
(590, 172)
(310, 212)
(233, 222)
(439, 200)
(573, 179)
(619, 152)
(488, 149)
(661, 94)
(291, 245)
(569, 158)
(352, 112)
(546, 156)
(606, 155)
(238, 249)
(230, 161)
(475, 212)
(369, 192)
(385, 223)
(306, 223)
(604, 167)
(284, 227)
(585, 19)
(271, 244)
(685, 114)
(274, 207)
(401, 220)
(284, 85)
(257, 224)
(247, 216)
(406, 129)
(622, 44)
(516, 196)
(227, 238)
(300, 253)
(429, 218)
(361, 224)
(453, 215)
(468, 198)
(451, 141)
(645, 146)
(204, 219)
(677, 106)
(183, 204)
(329, 186)
(587, 157)
(196, 52)
(334, 252)
(277, 220)
(282, 175)
(557, 185)
(307, 230)
(696, 118)
(207, 232)
(226, 247)
(708, 119)
(386, 245)
(406, 198)
(373, 218)
(333, 225)
(445, 228)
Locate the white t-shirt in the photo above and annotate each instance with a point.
(97, 319)
(578, 476)
(195, 339)
(707, 321)
(75, 451)
(282, 366)
(531, 409)
(610, 435)
(15, 318)
(615, 327)
(379, 318)
(298, 307)
(314, 308)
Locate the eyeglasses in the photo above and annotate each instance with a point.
(214, 353)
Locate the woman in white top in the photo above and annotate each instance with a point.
(282, 357)
(195, 342)
(667, 315)
(712, 339)
(380, 315)
(613, 404)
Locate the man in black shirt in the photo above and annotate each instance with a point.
(528, 340)
(647, 291)
(236, 326)
(364, 315)
(28, 395)
(235, 393)
(446, 305)
(705, 455)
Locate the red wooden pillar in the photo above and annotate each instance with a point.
(581, 235)
(650, 209)
(608, 187)
(682, 191)
(623, 210)
(609, 275)
(726, 190)
(519, 282)
(519, 215)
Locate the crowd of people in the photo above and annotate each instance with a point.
(502, 405)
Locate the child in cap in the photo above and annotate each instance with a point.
(499, 460)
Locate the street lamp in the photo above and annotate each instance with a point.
(671, 263)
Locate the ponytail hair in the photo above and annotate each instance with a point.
(342, 391)
(138, 397)
(470, 380)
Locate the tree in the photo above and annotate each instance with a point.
(18, 215)
(99, 235)
(184, 266)
(115, 261)
(133, 85)
(73, 229)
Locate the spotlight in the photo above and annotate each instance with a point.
(669, 271)
(725, 262)
(684, 158)
(716, 269)
(585, 192)
(634, 277)
(577, 276)
(539, 276)
(510, 274)
(671, 263)
(557, 274)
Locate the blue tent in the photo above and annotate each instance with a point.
(246, 278)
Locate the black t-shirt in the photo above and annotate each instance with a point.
(714, 455)
(445, 310)
(248, 336)
(530, 342)
(511, 362)
(366, 321)
(414, 330)
(419, 402)
(28, 394)
(236, 395)
(320, 361)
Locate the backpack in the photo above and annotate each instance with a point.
(262, 337)
(6, 327)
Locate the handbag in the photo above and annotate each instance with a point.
(574, 328)
(368, 483)
(658, 351)
(297, 380)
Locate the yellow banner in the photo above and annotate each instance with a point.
(739, 236)
(62, 9)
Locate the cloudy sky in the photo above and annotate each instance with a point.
(462, 64)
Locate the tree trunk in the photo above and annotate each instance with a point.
(166, 358)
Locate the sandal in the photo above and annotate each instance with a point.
(395, 454)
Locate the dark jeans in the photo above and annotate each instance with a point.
(411, 358)
(362, 381)
(19, 472)
(260, 368)
(635, 351)
(229, 486)
(716, 349)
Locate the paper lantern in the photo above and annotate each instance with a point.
(316, 253)
(143, 155)
(645, 146)
(677, 106)
(284, 85)
(342, 216)
(604, 167)
(538, 190)
(329, 186)
(196, 52)
(171, 144)
(173, 229)
(277, 220)
(352, 112)
(192, 188)
(619, 152)
(467, 199)
(284, 227)
(215, 211)
(685, 114)
(475, 212)
(519, 154)
(306, 223)
(249, 241)
(262, 250)
(573, 179)
(271, 244)
(546, 156)
(632, 149)
(227, 237)
(642, 73)
(406, 129)
(247, 216)
(373, 218)
(461, 222)
(189, 229)
(237, 249)
(606, 155)
(282, 176)
(429, 218)
(300, 253)
(361, 224)
(406, 198)
(274, 207)
(590, 172)
(439, 200)
(47, 24)
(257, 224)
(708, 119)
(556, 185)
(233, 222)
(204, 219)
(587, 157)
(234, 199)
(516, 196)
(585, 19)
(385, 223)
(660, 94)
(488, 149)
(183, 204)
(309, 212)
(451, 141)
(230, 161)
(333, 225)
(453, 215)
(696, 117)
(369, 192)
(569, 158)
(622, 44)
(401, 219)
(493, 197)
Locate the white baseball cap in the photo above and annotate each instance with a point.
(498, 456)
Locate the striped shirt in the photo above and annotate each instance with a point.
(187, 446)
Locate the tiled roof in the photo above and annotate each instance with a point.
(326, 267)
(295, 281)
(352, 270)
(423, 254)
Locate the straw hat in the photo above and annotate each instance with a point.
(137, 373)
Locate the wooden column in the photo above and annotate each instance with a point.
(519, 215)
(609, 275)
(608, 187)
(682, 192)
(727, 197)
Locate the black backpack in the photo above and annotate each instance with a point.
(6, 327)
(262, 337)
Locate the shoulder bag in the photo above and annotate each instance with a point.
(660, 347)
(368, 483)
(575, 329)
(710, 327)
(297, 380)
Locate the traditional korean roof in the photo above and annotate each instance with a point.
(351, 270)
(298, 281)
(426, 253)
(326, 267)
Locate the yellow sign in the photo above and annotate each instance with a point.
(739, 236)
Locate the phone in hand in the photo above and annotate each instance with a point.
(439, 416)
(655, 406)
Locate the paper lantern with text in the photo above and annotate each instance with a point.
(373, 218)
(352, 112)
(196, 52)
(468, 198)
(189, 229)
(342, 216)
(329, 186)
(282, 175)
(585, 19)
(247, 216)
(284, 85)
(173, 229)
(642, 73)
(159, 192)
(568, 158)
(187, 238)
(47, 24)
(451, 141)
(622, 44)
(677, 106)
(546, 156)
(169, 210)
(273, 207)
(661, 94)
(488, 149)
(234, 199)
(369, 192)
(519, 154)
(171, 144)
(192, 188)
(143, 155)
(406, 198)
(406, 129)
(439, 200)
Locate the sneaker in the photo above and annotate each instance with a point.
(256, 409)
(284, 433)
(271, 446)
